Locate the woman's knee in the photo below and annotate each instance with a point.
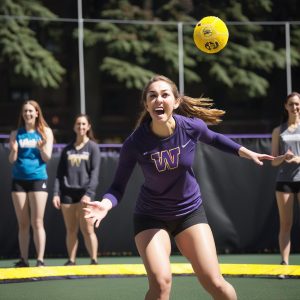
(37, 224)
(89, 235)
(161, 284)
(286, 226)
(87, 229)
(24, 223)
(215, 284)
(24, 227)
(72, 231)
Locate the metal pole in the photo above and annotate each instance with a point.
(288, 57)
(81, 58)
(180, 58)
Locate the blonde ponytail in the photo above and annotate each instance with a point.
(200, 108)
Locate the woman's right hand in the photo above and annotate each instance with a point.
(56, 202)
(13, 145)
(289, 156)
(96, 211)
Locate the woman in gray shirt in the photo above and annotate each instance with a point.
(286, 149)
(76, 181)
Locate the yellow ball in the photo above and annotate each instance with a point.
(211, 34)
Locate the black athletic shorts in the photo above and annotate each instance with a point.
(288, 187)
(71, 196)
(144, 222)
(29, 186)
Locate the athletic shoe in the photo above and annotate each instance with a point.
(40, 263)
(21, 264)
(94, 262)
(70, 263)
(283, 263)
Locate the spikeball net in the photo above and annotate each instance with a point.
(8, 275)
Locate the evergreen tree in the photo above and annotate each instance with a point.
(20, 47)
(133, 52)
(289, 12)
(252, 53)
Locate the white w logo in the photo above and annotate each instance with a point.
(76, 159)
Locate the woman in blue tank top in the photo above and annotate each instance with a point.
(286, 148)
(170, 202)
(30, 148)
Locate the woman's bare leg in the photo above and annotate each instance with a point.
(21, 206)
(37, 202)
(154, 248)
(197, 244)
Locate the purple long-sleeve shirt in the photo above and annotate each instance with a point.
(170, 189)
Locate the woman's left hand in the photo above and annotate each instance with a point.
(294, 159)
(41, 144)
(256, 157)
(45, 145)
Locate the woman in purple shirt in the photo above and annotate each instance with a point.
(169, 202)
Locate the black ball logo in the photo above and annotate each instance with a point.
(207, 32)
(212, 45)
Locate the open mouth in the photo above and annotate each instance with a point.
(159, 111)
